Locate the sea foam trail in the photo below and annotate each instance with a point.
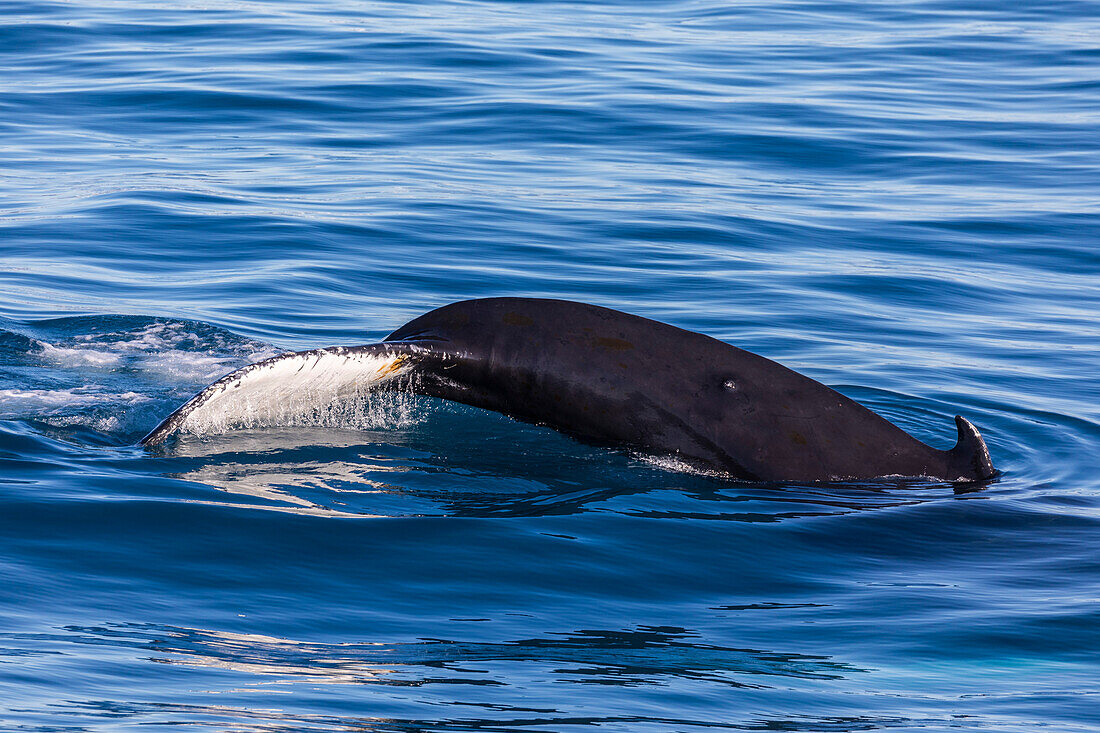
(318, 387)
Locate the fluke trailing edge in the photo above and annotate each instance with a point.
(602, 376)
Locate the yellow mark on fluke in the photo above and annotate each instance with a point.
(392, 367)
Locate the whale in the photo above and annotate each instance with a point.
(604, 377)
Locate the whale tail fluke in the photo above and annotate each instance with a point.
(970, 456)
(289, 388)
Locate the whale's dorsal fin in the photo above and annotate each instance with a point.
(970, 456)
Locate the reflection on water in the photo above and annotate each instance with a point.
(645, 678)
(423, 472)
(239, 665)
(643, 655)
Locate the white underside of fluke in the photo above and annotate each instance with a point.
(319, 387)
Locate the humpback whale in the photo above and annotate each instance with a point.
(606, 377)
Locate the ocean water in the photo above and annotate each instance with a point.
(901, 200)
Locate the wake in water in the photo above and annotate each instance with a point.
(115, 375)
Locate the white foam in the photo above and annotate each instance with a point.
(154, 337)
(325, 387)
(173, 350)
(150, 338)
(191, 366)
(110, 349)
(108, 424)
(679, 465)
(16, 403)
(78, 357)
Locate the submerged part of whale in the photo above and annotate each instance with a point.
(601, 376)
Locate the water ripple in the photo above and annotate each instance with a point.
(899, 200)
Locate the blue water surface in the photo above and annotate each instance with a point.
(901, 200)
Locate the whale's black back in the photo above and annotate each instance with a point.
(609, 376)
